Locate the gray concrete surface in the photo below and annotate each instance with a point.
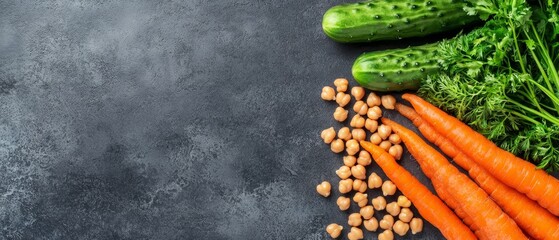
(168, 119)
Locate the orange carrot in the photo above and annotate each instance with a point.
(429, 206)
(488, 216)
(505, 166)
(516, 205)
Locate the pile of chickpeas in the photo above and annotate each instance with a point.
(353, 172)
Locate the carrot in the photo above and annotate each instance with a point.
(505, 166)
(431, 208)
(519, 207)
(488, 216)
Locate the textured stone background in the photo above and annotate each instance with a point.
(168, 119)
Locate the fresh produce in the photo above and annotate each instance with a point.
(393, 19)
(516, 205)
(492, 222)
(428, 205)
(509, 169)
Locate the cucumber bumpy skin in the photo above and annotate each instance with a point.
(393, 19)
(396, 69)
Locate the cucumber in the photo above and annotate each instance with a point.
(393, 19)
(396, 69)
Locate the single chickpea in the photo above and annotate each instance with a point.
(379, 203)
(357, 121)
(360, 199)
(371, 224)
(341, 84)
(328, 135)
(403, 201)
(349, 160)
(384, 131)
(359, 172)
(396, 151)
(343, 172)
(388, 101)
(373, 100)
(386, 222)
(367, 212)
(394, 138)
(386, 235)
(371, 125)
(416, 225)
(385, 145)
(344, 133)
(340, 114)
(360, 108)
(343, 203)
(375, 138)
(345, 186)
(374, 113)
(400, 228)
(352, 147)
(405, 215)
(354, 220)
(388, 188)
(355, 234)
(364, 158)
(324, 189)
(359, 185)
(342, 99)
(337, 146)
(328, 93)
(334, 230)
(393, 208)
(357, 92)
(374, 181)
(358, 134)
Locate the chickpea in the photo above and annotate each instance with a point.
(360, 199)
(364, 158)
(357, 92)
(343, 172)
(358, 134)
(384, 131)
(354, 220)
(367, 212)
(344, 133)
(393, 208)
(357, 121)
(403, 201)
(359, 172)
(405, 215)
(374, 181)
(371, 125)
(388, 188)
(396, 151)
(349, 160)
(359, 185)
(328, 135)
(386, 235)
(416, 225)
(379, 203)
(337, 146)
(374, 113)
(328, 93)
(385, 145)
(373, 100)
(341, 84)
(375, 138)
(401, 228)
(342, 99)
(355, 234)
(360, 108)
(371, 224)
(334, 230)
(343, 203)
(345, 186)
(352, 147)
(394, 138)
(340, 114)
(324, 189)
(388, 101)
(386, 222)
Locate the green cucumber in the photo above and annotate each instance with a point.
(396, 69)
(394, 19)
